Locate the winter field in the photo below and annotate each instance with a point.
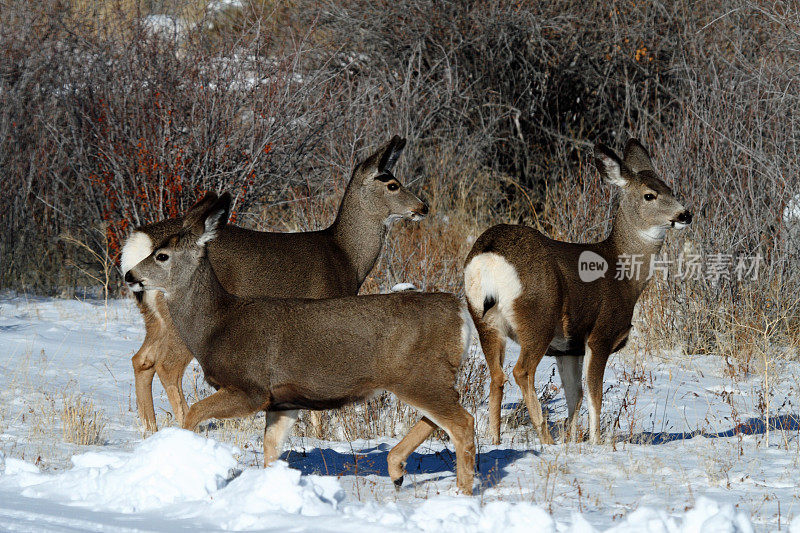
(689, 450)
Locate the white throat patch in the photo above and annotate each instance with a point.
(653, 233)
(390, 219)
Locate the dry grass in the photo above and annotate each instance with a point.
(82, 423)
(717, 112)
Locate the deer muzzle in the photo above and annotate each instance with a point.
(419, 212)
(682, 220)
(133, 283)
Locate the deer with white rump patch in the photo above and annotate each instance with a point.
(280, 355)
(527, 287)
(317, 264)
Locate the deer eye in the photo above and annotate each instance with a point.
(162, 257)
(649, 197)
(393, 186)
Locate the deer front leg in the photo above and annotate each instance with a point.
(277, 428)
(143, 372)
(599, 352)
(314, 419)
(170, 371)
(225, 403)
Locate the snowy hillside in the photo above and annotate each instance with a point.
(689, 453)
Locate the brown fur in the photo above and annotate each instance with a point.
(274, 354)
(555, 312)
(318, 264)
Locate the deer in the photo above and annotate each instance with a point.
(522, 285)
(281, 355)
(318, 264)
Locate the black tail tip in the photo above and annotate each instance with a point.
(398, 482)
(488, 303)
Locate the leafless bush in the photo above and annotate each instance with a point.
(103, 120)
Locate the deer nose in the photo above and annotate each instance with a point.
(685, 218)
(423, 210)
(129, 277)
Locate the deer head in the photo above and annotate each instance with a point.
(646, 202)
(173, 263)
(380, 192)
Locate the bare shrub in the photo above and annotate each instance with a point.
(104, 121)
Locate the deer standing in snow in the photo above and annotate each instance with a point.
(281, 355)
(317, 264)
(527, 287)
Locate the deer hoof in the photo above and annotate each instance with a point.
(398, 483)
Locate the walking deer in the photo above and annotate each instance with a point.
(527, 287)
(280, 355)
(317, 264)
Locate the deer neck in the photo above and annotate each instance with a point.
(629, 244)
(195, 307)
(359, 232)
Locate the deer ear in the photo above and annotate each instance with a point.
(391, 154)
(609, 165)
(383, 159)
(215, 218)
(193, 219)
(636, 157)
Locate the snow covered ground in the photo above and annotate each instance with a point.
(689, 450)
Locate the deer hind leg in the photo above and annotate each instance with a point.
(278, 426)
(443, 409)
(493, 344)
(225, 403)
(595, 368)
(143, 372)
(570, 368)
(534, 337)
(399, 454)
(170, 371)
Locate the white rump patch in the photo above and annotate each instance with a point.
(490, 275)
(137, 247)
(654, 233)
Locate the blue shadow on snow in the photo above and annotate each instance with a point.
(752, 426)
(491, 464)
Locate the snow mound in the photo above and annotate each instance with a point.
(183, 475)
(172, 465)
(707, 516)
(249, 500)
(459, 514)
(467, 515)
(403, 287)
(186, 476)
